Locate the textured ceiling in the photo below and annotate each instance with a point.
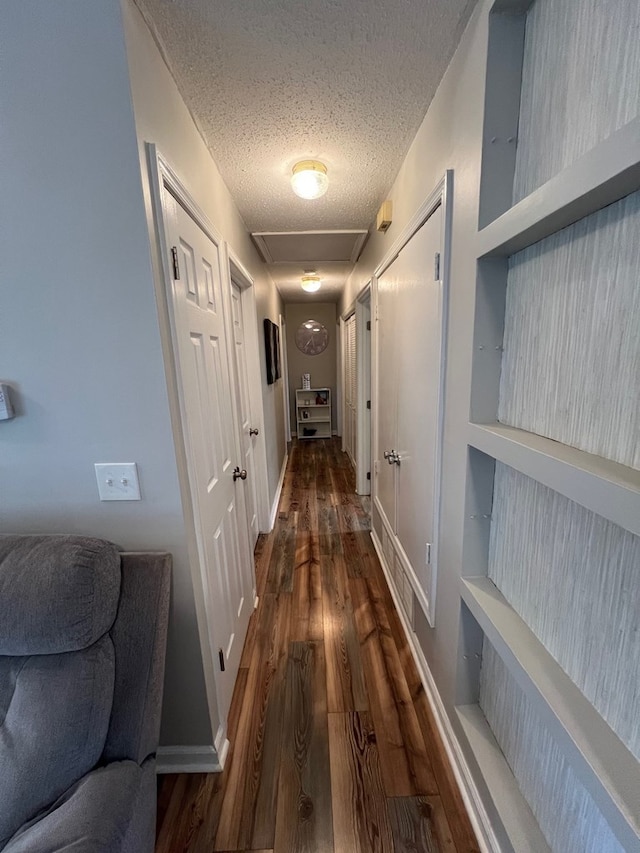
(271, 82)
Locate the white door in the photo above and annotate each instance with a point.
(410, 332)
(386, 400)
(363, 397)
(247, 432)
(350, 386)
(197, 313)
(419, 322)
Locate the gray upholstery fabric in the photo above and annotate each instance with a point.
(54, 717)
(139, 635)
(81, 675)
(93, 816)
(141, 832)
(57, 593)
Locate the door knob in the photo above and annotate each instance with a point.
(238, 474)
(253, 431)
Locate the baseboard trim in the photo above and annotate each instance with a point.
(188, 759)
(221, 744)
(478, 816)
(276, 499)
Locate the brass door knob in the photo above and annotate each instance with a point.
(238, 474)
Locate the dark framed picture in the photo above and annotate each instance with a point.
(272, 351)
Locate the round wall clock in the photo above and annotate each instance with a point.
(312, 337)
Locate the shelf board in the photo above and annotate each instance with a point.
(610, 171)
(604, 487)
(606, 768)
(513, 810)
(313, 405)
(314, 420)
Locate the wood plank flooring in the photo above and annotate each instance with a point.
(334, 747)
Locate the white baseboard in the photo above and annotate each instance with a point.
(276, 499)
(188, 759)
(478, 816)
(222, 744)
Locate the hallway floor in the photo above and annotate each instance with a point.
(334, 747)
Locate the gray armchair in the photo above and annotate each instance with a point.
(82, 644)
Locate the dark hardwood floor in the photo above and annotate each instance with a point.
(334, 747)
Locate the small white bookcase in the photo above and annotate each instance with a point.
(313, 412)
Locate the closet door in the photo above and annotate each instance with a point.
(419, 309)
(388, 344)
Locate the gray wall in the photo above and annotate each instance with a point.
(322, 367)
(81, 341)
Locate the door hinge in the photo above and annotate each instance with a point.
(428, 555)
(174, 263)
(368, 475)
(368, 325)
(221, 656)
(368, 404)
(436, 265)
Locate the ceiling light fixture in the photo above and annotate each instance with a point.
(309, 179)
(311, 283)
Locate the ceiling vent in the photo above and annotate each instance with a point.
(314, 247)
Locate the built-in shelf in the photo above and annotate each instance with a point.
(514, 812)
(606, 173)
(602, 486)
(604, 765)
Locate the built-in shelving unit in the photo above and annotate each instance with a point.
(604, 765)
(600, 177)
(313, 412)
(607, 488)
(608, 172)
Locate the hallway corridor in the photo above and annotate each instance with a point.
(334, 747)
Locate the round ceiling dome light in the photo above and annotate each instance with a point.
(309, 179)
(311, 283)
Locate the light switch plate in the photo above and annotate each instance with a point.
(117, 481)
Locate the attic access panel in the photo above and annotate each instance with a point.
(309, 246)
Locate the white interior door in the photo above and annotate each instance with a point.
(197, 311)
(363, 397)
(247, 435)
(350, 386)
(386, 399)
(418, 304)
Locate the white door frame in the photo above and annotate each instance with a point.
(237, 273)
(162, 176)
(441, 195)
(364, 422)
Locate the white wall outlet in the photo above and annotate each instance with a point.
(117, 481)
